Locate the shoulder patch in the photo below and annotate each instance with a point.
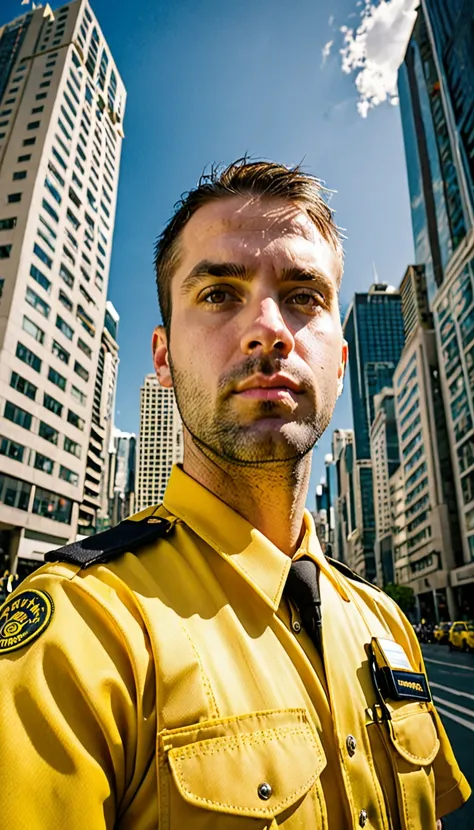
(24, 618)
(344, 569)
(128, 536)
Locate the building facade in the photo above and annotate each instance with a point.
(385, 461)
(436, 85)
(122, 471)
(160, 442)
(345, 522)
(373, 328)
(61, 110)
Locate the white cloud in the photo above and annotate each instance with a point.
(375, 50)
(326, 51)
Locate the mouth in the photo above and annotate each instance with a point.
(278, 387)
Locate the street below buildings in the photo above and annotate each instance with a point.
(451, 676)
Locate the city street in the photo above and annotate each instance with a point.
(451, 676)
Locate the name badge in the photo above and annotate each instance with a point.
(394, 675)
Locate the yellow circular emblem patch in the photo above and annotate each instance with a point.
(23, 618)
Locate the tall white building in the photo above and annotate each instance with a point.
(61, 108)
(160, 441)
(122, 466)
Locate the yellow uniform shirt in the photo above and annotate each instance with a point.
(174, 689)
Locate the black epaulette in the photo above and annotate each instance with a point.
(344, 569)
(125, 537)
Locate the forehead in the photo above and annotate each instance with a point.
(254, 227)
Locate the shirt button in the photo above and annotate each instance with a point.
(296, 627)
(363, 818)
(351, 744)
(264, 791)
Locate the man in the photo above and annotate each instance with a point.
(174, 672)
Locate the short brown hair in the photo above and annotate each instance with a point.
(241, 178)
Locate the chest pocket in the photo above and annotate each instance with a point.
(412, 743)
(243, 772)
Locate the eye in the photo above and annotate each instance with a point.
(308, 299)
(217, 296)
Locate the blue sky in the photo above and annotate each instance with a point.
(208, 81)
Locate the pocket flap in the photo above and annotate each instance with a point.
(225, 773)
(415, 737)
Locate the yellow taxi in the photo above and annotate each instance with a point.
(461, 636)
(441, 632)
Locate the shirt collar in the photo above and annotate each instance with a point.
(263, 566)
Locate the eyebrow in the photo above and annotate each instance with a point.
(235, 270)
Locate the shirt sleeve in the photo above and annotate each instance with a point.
(76, 709)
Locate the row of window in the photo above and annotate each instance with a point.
(16, 493)
(18, 452)
(24, 419)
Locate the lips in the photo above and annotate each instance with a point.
(269, 387)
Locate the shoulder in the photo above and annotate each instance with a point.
(128, 536)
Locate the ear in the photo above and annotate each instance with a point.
(159, 347)
(342, 368)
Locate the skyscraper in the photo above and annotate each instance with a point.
(61, 109)
(373, 328)
(122, 470)
(160, 442)
(344, 500)
(436, 85)
(385, 461)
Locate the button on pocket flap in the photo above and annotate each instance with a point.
(256, 773)
(415, 737)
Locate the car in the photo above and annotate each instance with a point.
(461, 635)
(441, 632)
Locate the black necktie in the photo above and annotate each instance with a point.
(302, 588)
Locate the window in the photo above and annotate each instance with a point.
(44, 85)
(56, 378)
(59, 158)
(40, 278)
(11, 449)
(74, 198)
(55, 172)
(53, 190)
(75, 420)
(85, 320)
(14, 197)
(41, 96)
(7, 224)
(24, 386)
(63, 130)
(48, 74)
(14, 493)
(71, 238)
(36, 302)
(43, 463)
(74, 222)
(83, 373)
(5, 251)
(84, 347)
(28, 357)
(68, 255)
(52, 404)
(28, 142)
(42, 255)
(50, 211)
(68, 475)
(64, 328)
(66, 275)
(46, 238)
(72, 446)
(19, 174)
(62, 144)
(54, 507)
(36, 110)
(21, 159)
(17, 415)
(78, 395)
(64, 299)
(35, 331)
(48, 433)
(61, 353)
(33, 125)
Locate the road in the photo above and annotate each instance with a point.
(451, 676)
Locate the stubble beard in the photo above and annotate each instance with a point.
(214, 426)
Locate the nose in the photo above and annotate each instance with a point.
(268, 331)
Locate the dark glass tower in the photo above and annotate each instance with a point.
(374, 332)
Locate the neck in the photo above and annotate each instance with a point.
(271, 497)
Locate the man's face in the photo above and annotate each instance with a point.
(256, 347)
